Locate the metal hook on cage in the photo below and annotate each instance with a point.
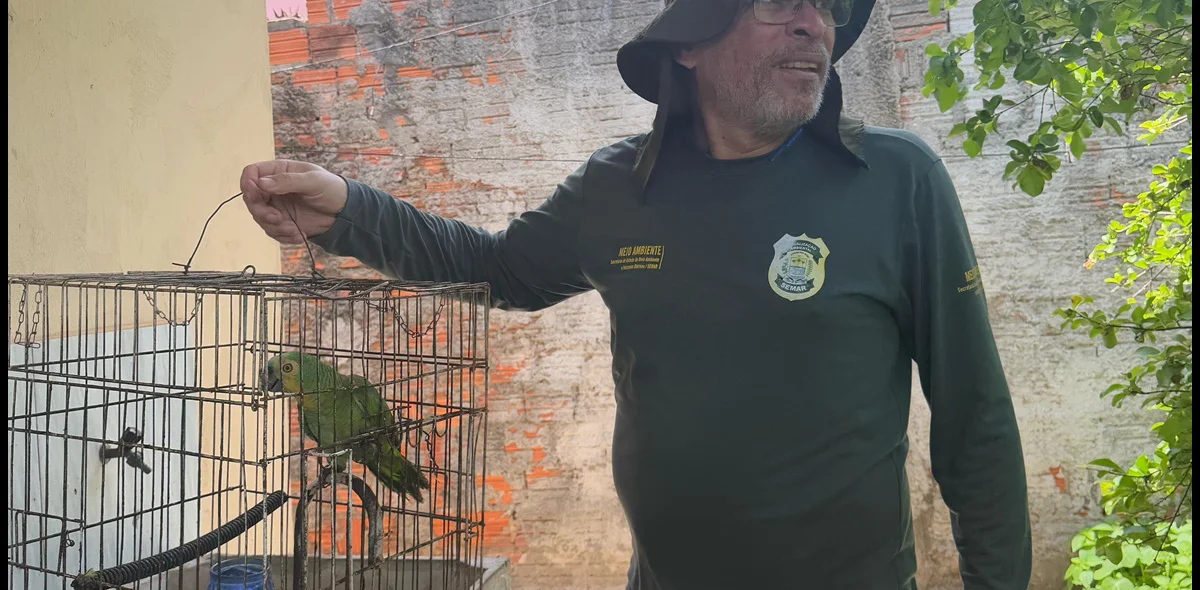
(434, 428)
(251, 274)
(413, 437)
(430, 447)
(63, 543)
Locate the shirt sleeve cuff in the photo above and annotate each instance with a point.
(346, 218)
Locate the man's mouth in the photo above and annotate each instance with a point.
(804, 66)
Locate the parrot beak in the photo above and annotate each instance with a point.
(271, 383)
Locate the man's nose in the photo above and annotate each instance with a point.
(808, 22)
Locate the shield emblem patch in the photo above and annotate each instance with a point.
(797, 270)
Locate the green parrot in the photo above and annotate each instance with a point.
(334, 407)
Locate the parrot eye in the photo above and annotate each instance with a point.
(287, 367)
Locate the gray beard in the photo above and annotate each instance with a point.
(769, 116)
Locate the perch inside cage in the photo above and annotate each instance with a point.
(165, 425)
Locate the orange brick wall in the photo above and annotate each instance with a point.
(479, 125)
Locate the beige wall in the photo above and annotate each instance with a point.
(129, 122)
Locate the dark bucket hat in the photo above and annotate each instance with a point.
(648, 67)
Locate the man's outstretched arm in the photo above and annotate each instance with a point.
(530, 265)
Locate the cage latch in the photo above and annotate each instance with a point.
(125, 448)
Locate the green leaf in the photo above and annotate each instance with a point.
(1087, 21)
(1069, 87)
(1077, 145)
(1108, 25)
(1147, 351)
(1044, 74)
(971, 147)
(933, 49)
(1113, 552)
(1110, 337)
(1031, 181)
(1070, 52)
(1027, 69)
(1166, 375)
(1142, 464)
(1077, 542)
(1019, 146)
(946, 97)
(1165, 15)
(1129, 555)
(1106, 463)
(935, 7)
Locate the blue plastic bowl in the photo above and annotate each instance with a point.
(240, 573)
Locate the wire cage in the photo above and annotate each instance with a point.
(155, 440)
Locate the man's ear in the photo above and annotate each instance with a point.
(686, 56)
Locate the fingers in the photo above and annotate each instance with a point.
(298, 183)
(277, 226)
(257, 189)
(264, 213)
(285, 235)
(273, 223)
(252, 174)
(263, 186)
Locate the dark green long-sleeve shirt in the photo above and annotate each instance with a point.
(765, 316)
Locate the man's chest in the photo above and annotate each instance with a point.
(785, 255)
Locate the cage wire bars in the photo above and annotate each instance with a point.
(146, 448)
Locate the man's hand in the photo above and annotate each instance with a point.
(292, 200)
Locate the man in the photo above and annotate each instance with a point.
(772, 269)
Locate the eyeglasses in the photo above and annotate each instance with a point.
(835, 13)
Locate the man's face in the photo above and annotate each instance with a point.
(768, 77)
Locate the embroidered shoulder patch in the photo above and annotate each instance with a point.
(973, 282)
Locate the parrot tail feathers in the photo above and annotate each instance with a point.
(398, 474)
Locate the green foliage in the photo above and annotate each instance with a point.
(1105, 558)
(1084, 68)
(1099, 63)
